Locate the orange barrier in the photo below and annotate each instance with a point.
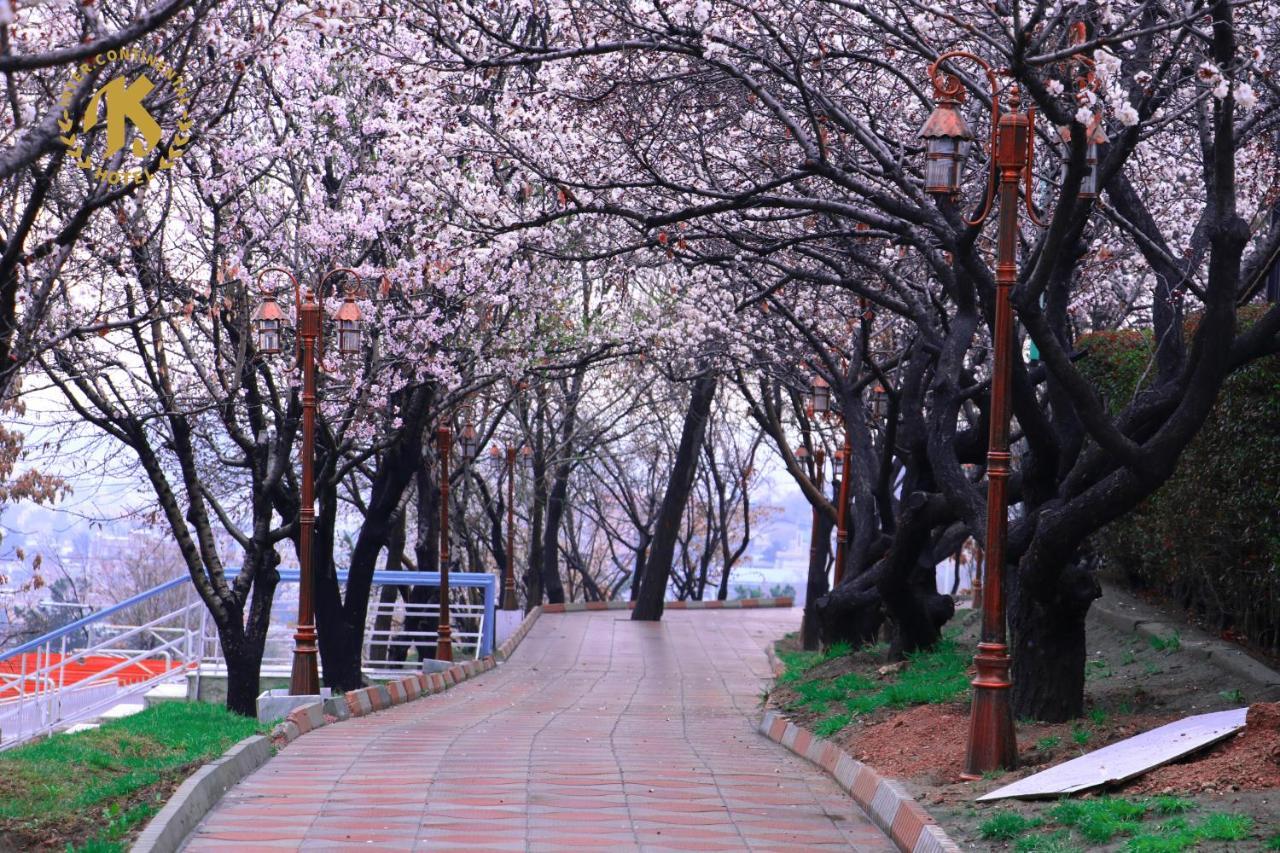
(79, 669)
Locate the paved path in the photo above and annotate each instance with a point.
(601, 733)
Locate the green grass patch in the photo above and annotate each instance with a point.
(1006, 826)
(1048, 742)
(1152, 825)
(1221, 826)
(831, 725)
(1053, 842)
(1273, 843)
(94, 787)
(931, 677)
(1171, 643)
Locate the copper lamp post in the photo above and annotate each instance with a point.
(992, 744)
(506, 462)
(268, 323)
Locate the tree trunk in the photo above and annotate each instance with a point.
(642, 558)
(653, 586)
(243, 668)
(1048, 647)
(816, 586)
(551, 582)
(533, 572)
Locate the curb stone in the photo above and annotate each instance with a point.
(509, 645)
(579, 606)
(1129, 615)
(885, 801)
(198, 794)
(203, 789)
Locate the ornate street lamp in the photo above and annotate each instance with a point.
(469, 442)
(843, 467)
(821, 396)
(991, 738)
(348, 318)
(268, 321)
(946, 135)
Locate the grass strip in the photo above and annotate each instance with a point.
(87, 791)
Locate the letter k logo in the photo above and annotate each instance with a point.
(124, 103)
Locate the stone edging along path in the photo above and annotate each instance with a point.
(201, 791)
(885, 801)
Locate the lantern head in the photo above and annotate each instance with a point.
(348, 318)
(469, 442)
(268, 321)
(947, 138)
(821, 395)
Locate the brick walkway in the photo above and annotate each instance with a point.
(601, 733)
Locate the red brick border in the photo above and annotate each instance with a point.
(378, 697)
(885, 801)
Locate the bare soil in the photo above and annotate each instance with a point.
(1131, 687)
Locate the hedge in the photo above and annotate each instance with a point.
(1209, 539)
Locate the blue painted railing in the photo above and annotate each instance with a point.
(96, 616)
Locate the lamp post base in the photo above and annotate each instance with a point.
(992, 744)
(304, 680)
(509, 599)
(444, 644)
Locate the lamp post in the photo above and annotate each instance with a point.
(444, 633)
(991, 738)
(268, 323)
(843, 465)
(508, 569)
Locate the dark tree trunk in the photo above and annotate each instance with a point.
(653, 586)
(551, 582)
(388, 594)
(1048, 647)
(852, 612)
(642, 558)
(533, 572)
(816, 587)
(243, 668)
(908, 585)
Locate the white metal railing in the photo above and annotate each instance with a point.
(44, 685)
(467, 620)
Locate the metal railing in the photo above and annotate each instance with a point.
(54, 680)
(93, 663)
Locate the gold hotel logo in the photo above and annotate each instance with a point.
(121, 106)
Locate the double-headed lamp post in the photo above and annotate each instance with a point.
(268, 325)
(947, 139)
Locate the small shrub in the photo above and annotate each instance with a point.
(1232, 695)
(1049, 742)
(1273, 843)
(1169, 644)
(1098, 716)
(1006, 826)
(1080, 735)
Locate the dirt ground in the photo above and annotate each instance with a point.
(1131, 686)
